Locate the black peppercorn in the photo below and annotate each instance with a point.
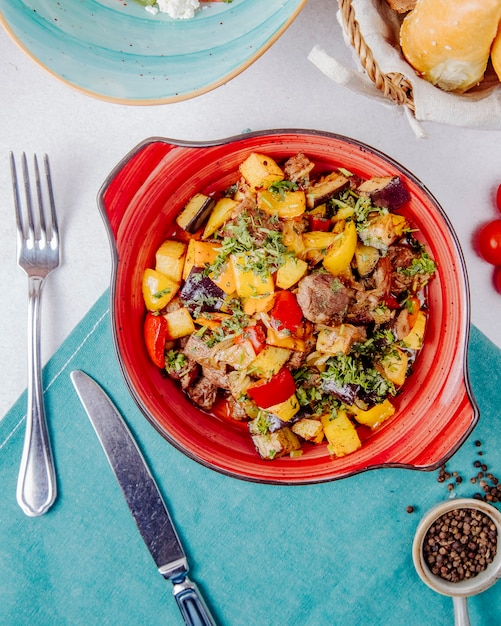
(443, 545)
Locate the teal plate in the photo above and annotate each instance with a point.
(115, 50)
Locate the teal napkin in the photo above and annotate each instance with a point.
(264, 555)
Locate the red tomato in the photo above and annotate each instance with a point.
(489, 242)
(278, 389)
(498, 198)
(286, 313)
(155, 336)
(256, 335)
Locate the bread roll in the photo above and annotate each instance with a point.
(448, 41)
(496, 53)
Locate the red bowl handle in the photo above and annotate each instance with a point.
(127, 178)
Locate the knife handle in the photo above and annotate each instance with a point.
(191, 604)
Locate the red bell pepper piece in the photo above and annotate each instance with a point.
(278, 389)
(392, 303)
(155, 336)
(317, 222)
(256, 335)
(286, 313)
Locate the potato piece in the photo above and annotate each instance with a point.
(260, 171)
(291, 272)
(374, 416)
(247, 283)
(169, 259)
(381, 231)
(338, 339)
(158, 289)
(341, 434)
(366, 258)
(285, 410)
(394, 366)
(287, 204)
(309, 429)
(339, 255)
(273, 445)
(414, 340)
(220, 213)
(179, 324)
(269, 361)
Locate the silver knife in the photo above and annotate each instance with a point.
(143, 498)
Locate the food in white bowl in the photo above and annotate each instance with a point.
(177, 9)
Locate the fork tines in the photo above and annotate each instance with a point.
(33, 224)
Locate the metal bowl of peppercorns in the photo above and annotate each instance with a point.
(457, 547)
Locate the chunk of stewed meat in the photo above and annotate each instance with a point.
(203, 393)
(323, 298)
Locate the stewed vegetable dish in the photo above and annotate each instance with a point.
(293, 301)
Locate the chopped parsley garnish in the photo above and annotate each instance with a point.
(347, 370)
(175, 360)
(280, 187)
(161, 293)
(423, 264)
(261, 247)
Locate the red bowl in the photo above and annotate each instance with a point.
(140, 199)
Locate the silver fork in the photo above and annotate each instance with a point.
(38, 253)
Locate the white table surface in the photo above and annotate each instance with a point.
(86, 137)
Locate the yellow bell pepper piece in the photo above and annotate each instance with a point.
(220, 213)
(247, 283)
(340, 253)
(375, 416)
(158, 289)
(287, 205)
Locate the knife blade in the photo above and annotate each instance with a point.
(143, 498)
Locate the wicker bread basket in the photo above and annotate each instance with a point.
(396, 86)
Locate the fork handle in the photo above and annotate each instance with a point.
(36, 486)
